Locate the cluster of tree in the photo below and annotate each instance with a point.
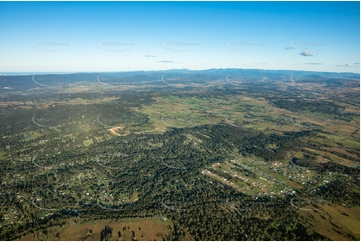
(106, 233)
(298, 105)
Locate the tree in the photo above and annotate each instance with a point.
(106, 233)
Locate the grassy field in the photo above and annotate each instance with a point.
(344, 220)
(144, 229)
(239, 110)
(256, 177)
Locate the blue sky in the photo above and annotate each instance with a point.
(126, 36)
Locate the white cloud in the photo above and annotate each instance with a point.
(305, 53)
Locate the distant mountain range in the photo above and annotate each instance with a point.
(19, 82)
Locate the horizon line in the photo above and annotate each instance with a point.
(25, 73)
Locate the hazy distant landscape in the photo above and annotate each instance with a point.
(219, 154)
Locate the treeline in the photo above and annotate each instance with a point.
(298, 105)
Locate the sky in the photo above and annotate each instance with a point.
(129, 36)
